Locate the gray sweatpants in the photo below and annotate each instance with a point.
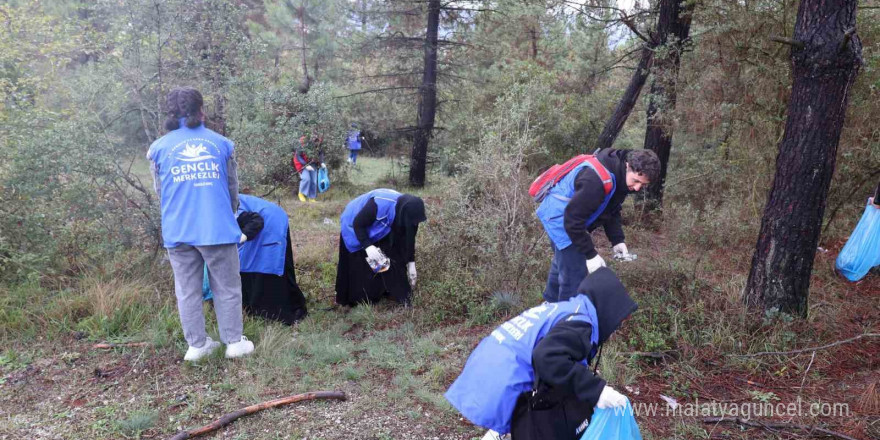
(187, 262)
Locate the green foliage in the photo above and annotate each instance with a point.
(267, 120)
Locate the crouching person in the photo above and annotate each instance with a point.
(194, 174)
(530, 377)
(268, 281)
(377, 247)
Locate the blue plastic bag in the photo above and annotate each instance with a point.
(613, 424)
(207, 293)
(862, 251)
(323, 180)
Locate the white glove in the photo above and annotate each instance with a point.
(242, 239)
(595, 263)
(310, 168)
(610, 398)
(621, 253)
(491, 435)
(411, 271)
(324, 165)
(374, 253)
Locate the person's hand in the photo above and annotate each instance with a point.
(310, 168)
(621, 253)
(411, 271)
(595, 263)
(374, 253)
(610, 398)
(242, 239)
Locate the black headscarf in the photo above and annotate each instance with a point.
(610, 298)
(410, 211)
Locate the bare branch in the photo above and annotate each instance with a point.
(808, 350)
(378, 90)
(846, 37)
(772, 426)
(789, 41)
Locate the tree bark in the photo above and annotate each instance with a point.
(427, 99)
(673, 28)
(628, 101)
(823, 72)
(306, 80)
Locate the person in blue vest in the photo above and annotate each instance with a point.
(353, 142)
(195, 175)
(380, 227)
(535, 367)
(578, 204)
(268, 281)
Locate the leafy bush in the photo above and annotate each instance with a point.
(485, 237)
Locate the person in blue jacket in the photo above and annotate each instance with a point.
(353, 141)
(539, 360)
(195, 175)
(268, 280)
(379, 226)
(578, 204)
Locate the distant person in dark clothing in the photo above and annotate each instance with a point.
(521, 376)
(379, 226)
(268, 281)
(578, 204)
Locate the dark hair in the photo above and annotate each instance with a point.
(644, 162)
(183, 102)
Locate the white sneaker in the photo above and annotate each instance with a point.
(195, 353)
(240, 348)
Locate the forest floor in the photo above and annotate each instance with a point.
(394, 363)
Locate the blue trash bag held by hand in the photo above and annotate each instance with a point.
(613, 424)
(862, 251)
(323, 180)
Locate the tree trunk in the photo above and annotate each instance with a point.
(825, 63)
(626, 104)
(673, 28)
(427, 99)
(307, 80)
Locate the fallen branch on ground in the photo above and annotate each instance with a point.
(808, 350)
(235, 415)
(771, 426)
(124, 344)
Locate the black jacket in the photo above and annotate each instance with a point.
(556, 358)
(588, 196)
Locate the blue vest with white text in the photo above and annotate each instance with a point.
(551, 211)
(500, 368)
(354, 140)
(195, 201)
(265, 252)
(386, 201)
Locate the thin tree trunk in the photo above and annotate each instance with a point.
(823, 71)
(628, 101)
(307, 80)
(427, 99)
(673, 28)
